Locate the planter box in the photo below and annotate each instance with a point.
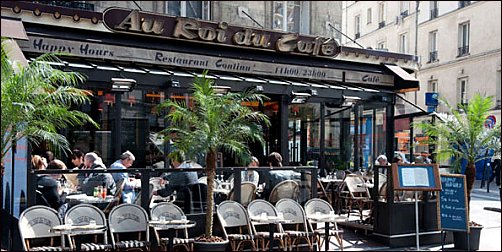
(460, 239)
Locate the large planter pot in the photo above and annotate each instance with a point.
(210, 246)
(460, 239)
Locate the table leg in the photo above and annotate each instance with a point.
(271, 230)
(170, 236)
(78, 244)
(326, 234)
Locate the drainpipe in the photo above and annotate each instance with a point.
(417, 11)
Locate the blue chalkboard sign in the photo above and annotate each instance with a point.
(453, 203)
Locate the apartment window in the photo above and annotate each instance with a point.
(462, 4)
(462, 91)
(286, 16)
(433, 52)
(432, 86)
(434, 9)
(463, 39)
(404, 6)
(368, 16)
(403, 43)
(193, 9)
(381, 45)
(381, 15)
(357, 23)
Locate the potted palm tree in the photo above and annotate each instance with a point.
(213, 122)
(461, 135)
(37, 101)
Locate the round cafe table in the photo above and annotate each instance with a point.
(77, 230)
(171, 226)
(271, 221)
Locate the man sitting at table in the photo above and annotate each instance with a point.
(275, 177)
(126, 160)
(175, 181)
(92, 161)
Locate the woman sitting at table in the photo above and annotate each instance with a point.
(49, 192)
(251, 175)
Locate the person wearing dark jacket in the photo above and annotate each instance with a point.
(49, 191)
(92, 161)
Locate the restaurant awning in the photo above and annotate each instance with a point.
(404, 82)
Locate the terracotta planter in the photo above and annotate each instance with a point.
(460, 239)
(210, 246)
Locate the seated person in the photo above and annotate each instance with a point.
(251, 175)
(51, 191)
(126, 160)
(93, 162)
(381, 160)
(176, 180)
(275, 177)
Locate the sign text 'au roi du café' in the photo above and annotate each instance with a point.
(139, 22)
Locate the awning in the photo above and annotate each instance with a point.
(13, 28)
(404, 82)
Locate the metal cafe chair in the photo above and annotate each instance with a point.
(34, 227)
(255, 209)
(248, 193)
(83, 214)
(358, 194)
(170, 212)
(236, 224)
(297, 230)
(318, 205)
(128, 225)
(287, 189)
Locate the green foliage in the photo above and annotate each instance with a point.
(461, 133)
(214, 122)
(37, 101)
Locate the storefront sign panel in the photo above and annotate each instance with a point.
(190, 29)
(159, 57)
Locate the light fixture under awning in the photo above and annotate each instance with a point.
(404, 82)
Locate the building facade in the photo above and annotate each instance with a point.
(458, 43)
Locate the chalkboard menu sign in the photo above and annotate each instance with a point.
(453, 203)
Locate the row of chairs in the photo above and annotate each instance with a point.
(240, 230)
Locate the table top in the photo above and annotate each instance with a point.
(270, 219)
(172, 224)
(84, 198)
(78, 229)
(326, 218)
(331, 180)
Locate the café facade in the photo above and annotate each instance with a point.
(329, 105)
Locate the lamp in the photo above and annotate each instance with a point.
(349, 101)
(300, 97)
(259, 89)
(221, 90)
(173, 83)
(123, 85)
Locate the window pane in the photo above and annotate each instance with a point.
(278, 16)
(293, 16)
(174, 8)
(194, 9)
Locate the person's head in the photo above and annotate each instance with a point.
(397, 159)
(56, 164)
(254, 162)
(127, 158)
(176, 158)
(424, 154)
(89, 159)
(49, 156)
(382, 160)
(38, 162)
(77, 157)
(274, 159)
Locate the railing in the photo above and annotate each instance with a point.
(69, 4)
(358, 35)
(404, 13)
(433, 56)
(381, 24)
(464, 50)
(434, 13)
(462, 4)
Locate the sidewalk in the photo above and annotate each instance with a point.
(480, 200)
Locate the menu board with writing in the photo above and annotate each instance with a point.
(453, 203)
(416, 177)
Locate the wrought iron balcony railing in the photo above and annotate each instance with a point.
(381, 24)
(433, 56)
(434, 13)
(462, 51)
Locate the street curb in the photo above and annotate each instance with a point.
(495, 209)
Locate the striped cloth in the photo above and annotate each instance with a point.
(132, 244)
(94, 246)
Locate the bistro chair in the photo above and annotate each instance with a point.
(297, 230)
(358, 194)
(248, 193)
(255, 209)
(170, 211)
(128, 225)
(116, 197)
(198, 198)
(318, 205)
(287, 189)
(236, 224)
(83, 214)
(34, 227)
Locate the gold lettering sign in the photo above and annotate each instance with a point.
(134, 21)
